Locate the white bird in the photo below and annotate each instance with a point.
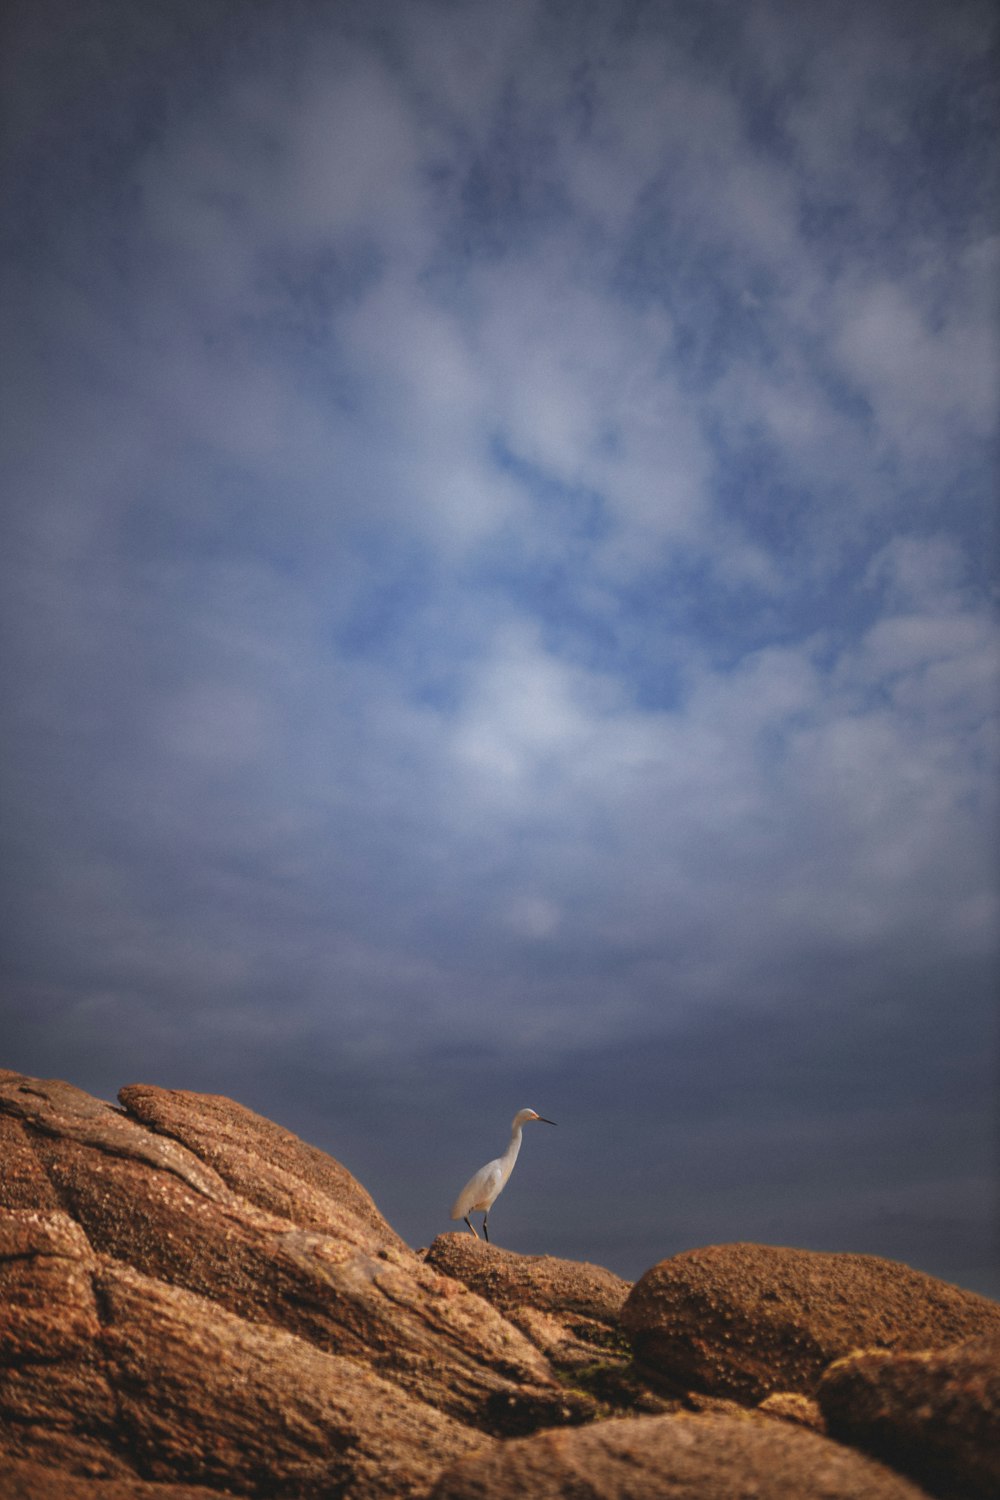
(482, 1191)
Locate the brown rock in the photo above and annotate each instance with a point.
(117, 1375)
(193, 1301)
(23, 1183)
(568, 1309)
(21, 1480)
(747, 1320)
(208, 1398)
(52, 1108)
(563, 1304)
(792, 1406)
(565, 1288)
(266, 1165)
(147, 1199)
(673, 1458)
(55, 1397)
(934, 1415)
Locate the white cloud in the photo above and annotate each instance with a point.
(930, 374)
(521, 719)
(584, 390)
(923, 570)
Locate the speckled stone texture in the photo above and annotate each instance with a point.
(933, 1414)
(194, 1302)
(748, 1320)
(674, 1458)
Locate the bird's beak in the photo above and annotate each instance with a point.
(544, 1120)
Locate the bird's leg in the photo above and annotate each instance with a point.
(473, 1227)
(486, 1226)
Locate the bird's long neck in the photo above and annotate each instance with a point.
(513, 1147)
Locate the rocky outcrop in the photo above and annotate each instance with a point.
(673, 1458)
(149, 1200)
(196, 1303)
(933, 1414)
(748, 1320)
(568, 1308)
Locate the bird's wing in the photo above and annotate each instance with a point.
(480, 1190)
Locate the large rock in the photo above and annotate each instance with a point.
(194, 1302)
(350, 1287)
(673, 1458)
(747, 1320)
(934, 1414)
(139, 1379)
(570, 1307)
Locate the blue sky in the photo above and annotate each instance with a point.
(500, 599)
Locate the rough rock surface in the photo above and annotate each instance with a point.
(748, 1320)
(266, 1165)
(673, 1458)
(117, 1373)
(21, 1480)
(148, 1199)
(934, 1414)
(193, 1302)
(792, 1406)
(570, 1308)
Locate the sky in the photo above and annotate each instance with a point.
(499, 581)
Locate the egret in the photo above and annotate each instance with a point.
(482, 1191)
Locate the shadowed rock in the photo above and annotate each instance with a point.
(673, 1458)
(21, 1480)
(747, 1320)
(935, 1415)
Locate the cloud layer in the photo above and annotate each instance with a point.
(499, 594)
